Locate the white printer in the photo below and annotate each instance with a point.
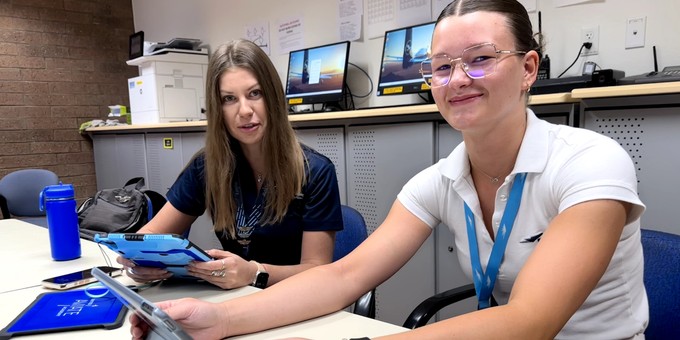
(170, 88)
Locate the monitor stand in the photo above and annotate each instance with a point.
(429, 98)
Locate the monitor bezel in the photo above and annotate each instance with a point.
(320, 98)
(393, 90)
(136, 50)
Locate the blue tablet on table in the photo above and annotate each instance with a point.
(67, 311)
(168, 251)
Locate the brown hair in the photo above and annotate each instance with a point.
(516, 14)
(282, 152)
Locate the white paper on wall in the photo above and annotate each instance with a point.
(413, 12)
(530, 5)
(437, 7)
(349, 19)
(259, 34)
(291, 34)
(380, 17)
(564, 3)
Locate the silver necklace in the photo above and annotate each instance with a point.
(259, 178)
(493, 179)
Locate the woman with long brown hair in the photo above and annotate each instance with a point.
(274, 202)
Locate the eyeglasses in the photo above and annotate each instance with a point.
(477, 62)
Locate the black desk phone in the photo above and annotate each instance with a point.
(669, 73)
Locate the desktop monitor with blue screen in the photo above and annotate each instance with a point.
(403, 51)
(316, 75)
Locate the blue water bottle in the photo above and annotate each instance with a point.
(62, 220)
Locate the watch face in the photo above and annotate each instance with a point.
(261, 280)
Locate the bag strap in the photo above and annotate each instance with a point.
(137, 183)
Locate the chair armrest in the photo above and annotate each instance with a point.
(428, 308)
(4, 207)
(365, 305)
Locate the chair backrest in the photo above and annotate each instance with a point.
(21, 189)
(155, 199)
(353, 233)
(662, 282)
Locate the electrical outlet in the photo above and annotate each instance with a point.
(590, 34)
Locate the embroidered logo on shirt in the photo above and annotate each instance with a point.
(533, 238)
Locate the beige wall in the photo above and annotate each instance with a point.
(216, 21)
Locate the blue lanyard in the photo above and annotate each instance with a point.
(485, 281)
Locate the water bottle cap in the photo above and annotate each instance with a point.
(59, 191)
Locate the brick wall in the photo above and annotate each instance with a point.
(62, 63)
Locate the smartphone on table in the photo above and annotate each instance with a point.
(77, 279)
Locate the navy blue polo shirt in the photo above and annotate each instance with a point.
(317, 209)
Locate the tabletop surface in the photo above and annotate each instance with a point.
(25, 251)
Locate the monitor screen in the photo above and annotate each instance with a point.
(317, 74)
(403, 50)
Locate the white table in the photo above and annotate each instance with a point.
(26, 258)
(26, 252)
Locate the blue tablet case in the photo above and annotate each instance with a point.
(67, 311)
(168, 251)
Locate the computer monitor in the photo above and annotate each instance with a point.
(403, 51)
(316, 75)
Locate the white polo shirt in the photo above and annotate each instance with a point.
(565, 166)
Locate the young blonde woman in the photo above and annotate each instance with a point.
(275, 203)
(545, 217)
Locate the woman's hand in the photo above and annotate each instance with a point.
(200, 319)
(227, 271)
(142, 274)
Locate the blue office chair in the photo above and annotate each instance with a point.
(20, 192)
(662, 282)
(353, 233)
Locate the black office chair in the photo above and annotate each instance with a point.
(428, 308)
(662, 282)
(350, 237)
(20, 194)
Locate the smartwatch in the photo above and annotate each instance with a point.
(261, 277)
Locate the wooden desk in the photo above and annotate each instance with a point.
(626, 90)
(26, 253)
(26, 258)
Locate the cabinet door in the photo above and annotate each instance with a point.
(118, 158)
(164, 160)
(381, 159)
(650, 136)
(565, 114)
(329, 142)
(202, 233)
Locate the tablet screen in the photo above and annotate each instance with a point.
(71, 310)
